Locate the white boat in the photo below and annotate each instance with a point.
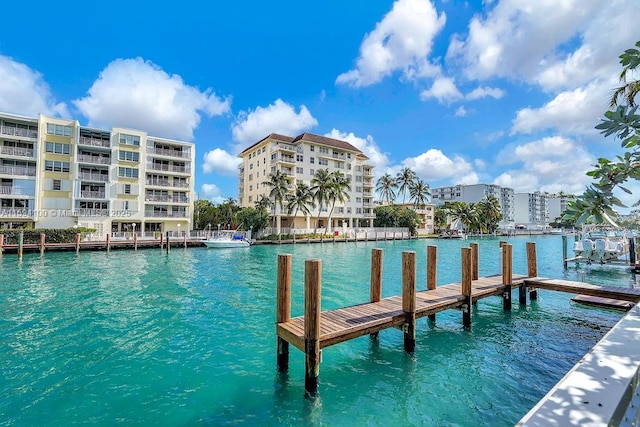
(601, 245)
(227, 239)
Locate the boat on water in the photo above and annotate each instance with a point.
(601, 245)
(227, 239)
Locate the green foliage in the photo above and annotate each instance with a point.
(253, 218)
(53, 235)
(394, 216)
(205, 213)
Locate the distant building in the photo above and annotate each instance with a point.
(299, 158)
(557, 205)
(532, 210)
(426, 214)
(55, 173)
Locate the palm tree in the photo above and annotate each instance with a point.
(300, 200)
(404, 180)
(263, 202)
(463, 213)
(321, 187)
(339, 191)
(419, 193)
(279, 184)
(490, 213)
(385, 186)
(628, 91)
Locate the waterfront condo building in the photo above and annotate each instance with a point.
(299, 158)
(55, 173)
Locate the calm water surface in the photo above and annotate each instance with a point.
(187, 338)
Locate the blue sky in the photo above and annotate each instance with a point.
(505, 91)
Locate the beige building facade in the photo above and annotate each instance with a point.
(299, 158)
(55, 173)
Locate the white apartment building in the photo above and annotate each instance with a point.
(557, 206)
(55, 173)
(474, 194)
(532, 210)
(299, 158)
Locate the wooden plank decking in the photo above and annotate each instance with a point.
(343, 324)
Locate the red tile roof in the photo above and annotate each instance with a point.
(275, 136)
(310, 137)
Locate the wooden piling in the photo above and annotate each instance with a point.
(161, 242)
(532, 267)
(77, 242)
(467, 272)
(1, 244)
(409, 299)
(474, 261)
(283, 309)
(20, 243)
(632, 252)
(167, 243)
(375, 293)
(185, 239)
(432, 268)
(135, 242)
(564, 250)
(43, 237)
(108, 241)
(312, 290)
(507, 276)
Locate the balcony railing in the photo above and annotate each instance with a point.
(16, 191)
(158, 182)
(84, 140)
(338, 156)
(90, 176)
(17, 170)
(168, 168)
(285, 159)
(368, 215)
(14, 131)
(157, 198)
(92, 194)
(170, 153)
(98, 160)
(91, 212)
(153, 214)
(180, 184)
(285, 147)
(16, 151)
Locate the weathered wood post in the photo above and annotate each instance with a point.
(467, 272)
(283, 309)
(161, 242)
(532, 267)
(409, 299)
(507, 276)
(475, 262)
(432, 268)
(564, 251)
(185, 239)
(135, 242)
(108, 241)
(312, 289)
(167, 242)
(375, 293)
(20, 243)
(1, 244)
(632, 252)
(43, 237)
(77, 242)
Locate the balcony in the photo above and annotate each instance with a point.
(159, 214)
(284, 147)
(84, 212)
(285, 159)
(157, 198)
(14, 131)
(367, 183)
(91, 176)
(168, 153)
(17, 170)
(339, 156)
(15, 191)
(169, 168)
(368, 215)
(158, 182)
(96, 160)
(92, 194)
(16, 151)
(94, 142)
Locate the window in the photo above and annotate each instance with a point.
(125, 205)
(339, 165)
(323, 162)
(300, 170)
(57, 185)
(348, 210)
(50, 165)
(358, 200)
(349, 166)
(251, 188)
(312, 171)
(312, 160)
(324, 150)
(128, 172)
(129, 139)
(274, 156)
(348, 155)
(299, 181)
(250, 177)
(251, 166)
(59, 130)
(56, 147)
(312, 148)
(299, 158)
(127, 189)
(264, 148)
(129, 156)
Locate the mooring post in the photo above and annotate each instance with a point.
(532, 267)
(77, 242)
(632, 252)
(475, 262)
(564, 250)
(507, 276)
(467, 272)
(161, 242)
(375, 293)
(283, 309)
(135, 242)
(168, 244)
(20, 243)
(432, 268)
(409, 299)
(185, 239)
(42, 240)
(312, 289)
(1, 244)
(108, 241)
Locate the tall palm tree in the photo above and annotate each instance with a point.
(339, 191)
(321, 185)
(419, 193)
(263, 202)
(404, 180)
(490, 213)
(301, 200)
(385, 186)
(279, 184)
(463, 213)
(629, 89)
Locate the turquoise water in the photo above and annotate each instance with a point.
(187, 338)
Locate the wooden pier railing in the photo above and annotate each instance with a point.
(316, 329)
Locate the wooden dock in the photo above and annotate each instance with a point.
(316, 329)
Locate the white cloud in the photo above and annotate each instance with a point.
(24, 91)
(220, 162)
(433, 165)
(461, 112)
(550, 164)
(482, 92)
(573, 112)
(278, 117)
(402, 41)
(138, 94)
(443, 89)
(367, 145)
(212, 192)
